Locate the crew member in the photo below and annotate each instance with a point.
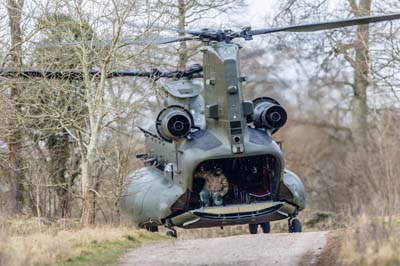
(216, 186)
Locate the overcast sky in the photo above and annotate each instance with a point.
(256, 12)
(251, 15)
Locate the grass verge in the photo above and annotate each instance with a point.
(370, 241)
(330, 256)
(107, 252)
(101, 245)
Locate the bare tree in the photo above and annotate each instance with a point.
(185, 14)
(14, 138)
(88, 132)
(66, 122)
(361, 65)
(56, 27)
(367, 61)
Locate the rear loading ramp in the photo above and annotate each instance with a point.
(234, 215)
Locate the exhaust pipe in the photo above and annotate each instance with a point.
(269, 114)
(173, 123)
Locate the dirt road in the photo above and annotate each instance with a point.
(267, 249)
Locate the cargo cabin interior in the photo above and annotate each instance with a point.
(251, 179)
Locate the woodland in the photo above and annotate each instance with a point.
(67, 146)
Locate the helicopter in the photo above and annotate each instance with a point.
(205, 125)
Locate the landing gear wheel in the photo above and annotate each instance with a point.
(294, 225)
(172, 233)
(151, 228)
(253, 229)
(266, 227)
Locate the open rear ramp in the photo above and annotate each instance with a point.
(234, 214)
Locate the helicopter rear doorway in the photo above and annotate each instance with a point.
(250, 179)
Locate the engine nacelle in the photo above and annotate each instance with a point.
(174, 122)
(268, 113)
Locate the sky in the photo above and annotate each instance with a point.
(256, 12)
(253, 14)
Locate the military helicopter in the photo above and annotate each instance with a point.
(207, 125)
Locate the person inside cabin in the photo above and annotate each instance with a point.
(215, 187)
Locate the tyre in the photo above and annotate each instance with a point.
(295, 226)
(266, 227)
(172, 233)
(253, 228)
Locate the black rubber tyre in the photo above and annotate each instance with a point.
(295, 226)
(266, 227)
(172, 233)
(253, 228)
(151, 228)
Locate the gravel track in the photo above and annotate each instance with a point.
(261, 249)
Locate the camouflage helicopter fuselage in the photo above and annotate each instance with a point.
(159, 193)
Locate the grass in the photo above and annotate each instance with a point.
(66, 243)
(107, 252)
(99, 245)
(369, 241)
(330, 256)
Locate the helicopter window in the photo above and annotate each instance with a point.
(250, 179)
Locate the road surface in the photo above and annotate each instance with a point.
(247, 250)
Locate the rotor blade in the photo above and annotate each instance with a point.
(79, 75)
(120, 43)
(67, 74)
(165, 40)
(48, 74)
(192, 32)
(329, 25)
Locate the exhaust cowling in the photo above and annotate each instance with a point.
(268, 113)
(174, 122)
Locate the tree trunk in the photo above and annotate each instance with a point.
(58, 145)
(88, 196)
(14, 140)
(361, 75)
(182, 51)
(88, 190)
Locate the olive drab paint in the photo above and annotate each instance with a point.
(223, 92)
